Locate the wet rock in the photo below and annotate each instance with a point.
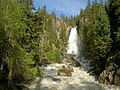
(61, 73)
(80, 79)
(54, 88)
(65, 71)
(118, 71)
(103, 76)
(110, 76)
(117, 79)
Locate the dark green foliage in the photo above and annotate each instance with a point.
(96, 31)
(27, 40)
(99, 36)
(11, 54)
(114, 15)
(94, 28)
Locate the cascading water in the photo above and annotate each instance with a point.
(79, 79)
(74, 50)
(73, 44)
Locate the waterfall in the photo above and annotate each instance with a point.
(64, 76)
(73, 43)
(74, 50)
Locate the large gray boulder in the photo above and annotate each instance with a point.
(111, 74)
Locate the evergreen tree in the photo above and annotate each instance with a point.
(114, 15)
(11, 54)
(15, 41)
(95, 30)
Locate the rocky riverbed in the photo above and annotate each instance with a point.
(67, 77)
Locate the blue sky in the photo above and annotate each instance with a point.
(66, 7)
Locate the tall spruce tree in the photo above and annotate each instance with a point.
(95, 30)
(114, 15)
(11, 54)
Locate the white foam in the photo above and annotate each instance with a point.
(73, 48)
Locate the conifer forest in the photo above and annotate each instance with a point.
(31, 38)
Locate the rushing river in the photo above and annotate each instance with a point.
(79, 78)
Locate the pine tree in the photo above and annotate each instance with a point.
(95, 30)
(12, 58)
(114, 15)
(101, 2)
(15, 42)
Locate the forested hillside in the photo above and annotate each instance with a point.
(99, 27)
(30, 38)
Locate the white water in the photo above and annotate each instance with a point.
(80, 79)
(73, 44)
(74, 49)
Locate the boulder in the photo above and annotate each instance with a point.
(65, 71)
(111, 75)
(117, 77)
(104, 77)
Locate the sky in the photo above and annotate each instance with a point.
(66, 7)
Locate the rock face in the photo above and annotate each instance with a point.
(111, 75)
